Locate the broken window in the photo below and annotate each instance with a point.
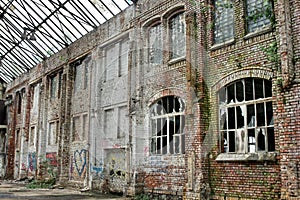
(259, 13)
(246, 116)
(177, 36)
(223, 21)
(167, 126)
(76, 132)
(155, 45)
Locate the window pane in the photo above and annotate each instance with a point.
(231, 118)
(230, 94)
(268, 88)
(231, 141)
(240, 117)
(223, 21)
(271, 139)
(259, 91)
(270, 119)
(250, 116)
(239, 91)
(249, 89)
(223, 121)
(155, 45)
(261, 134)
(225, 142)
(258, 14)
(260, 111)
(177, 36)
(251, 141)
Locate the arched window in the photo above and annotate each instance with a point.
(167, 126)
(246, 116)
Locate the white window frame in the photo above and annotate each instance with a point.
(227, 128)
(158, 113)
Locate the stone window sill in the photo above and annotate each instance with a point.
(258, 32)
(221, 45)
(263, 156)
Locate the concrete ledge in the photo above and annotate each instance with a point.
(264, 156)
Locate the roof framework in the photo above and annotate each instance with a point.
(32, 30)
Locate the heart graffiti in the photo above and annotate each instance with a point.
(80, 160)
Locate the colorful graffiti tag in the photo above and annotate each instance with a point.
(52, 158)
(79, 164)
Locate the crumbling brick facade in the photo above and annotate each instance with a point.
(157, 101)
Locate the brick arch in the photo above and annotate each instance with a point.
(166, 92)
(179, 8)
(240, 74)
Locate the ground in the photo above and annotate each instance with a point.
(18, 190)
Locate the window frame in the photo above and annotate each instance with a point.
(170, 45)
(171, 148)
(265, 100)
(223, 40)
(257, 29)
(157, 23)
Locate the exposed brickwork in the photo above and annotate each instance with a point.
(101, 108)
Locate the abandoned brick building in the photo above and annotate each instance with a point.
(181, 99)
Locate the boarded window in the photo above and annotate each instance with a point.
(110, 124)
(177, 36)
(167, 122)
(123, 122)
(112, 62)
(259, 13)
(76, 136)
(223, 21)
(246, 116)
(123, 69)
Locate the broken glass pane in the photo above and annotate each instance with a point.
(250, 115)
(239, 117)
(225, 141)
(239, 91)
(261, 139)
(223, 122)
(222, 96)
(260, 111)
(230, 94)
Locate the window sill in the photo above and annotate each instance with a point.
(175, 60)
(263, 156)
(258, 32)
(223, 44)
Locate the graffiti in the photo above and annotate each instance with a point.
(52, 158)
(32, 162)
(80, 161)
